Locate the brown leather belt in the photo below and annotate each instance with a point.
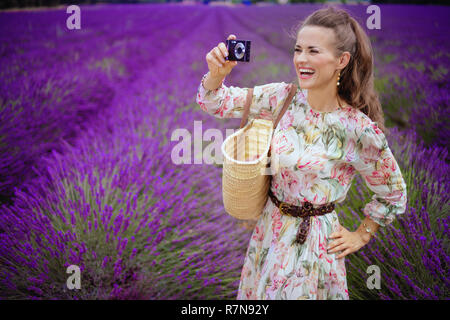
(305, 211)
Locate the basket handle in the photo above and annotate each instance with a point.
(287, 102)
(248, 102)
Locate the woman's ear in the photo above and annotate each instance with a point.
(344, 59)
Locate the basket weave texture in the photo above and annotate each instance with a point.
(245, 179)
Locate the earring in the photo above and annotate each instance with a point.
(339, 75)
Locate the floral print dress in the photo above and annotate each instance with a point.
(319, 154)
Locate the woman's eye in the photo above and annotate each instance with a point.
(312, 51)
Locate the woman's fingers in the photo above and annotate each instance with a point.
(212, 59)
(223, 49)
(335, 243)
(219, 55)
(336, 234)
(339, 247)
(216, 58)
(343, 254)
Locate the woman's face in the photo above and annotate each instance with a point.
(314, 51)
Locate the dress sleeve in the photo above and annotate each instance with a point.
(382, 175)
(228, 102)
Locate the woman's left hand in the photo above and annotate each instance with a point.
(346, 241)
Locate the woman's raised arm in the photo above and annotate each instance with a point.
(221, 101)
(229, 102)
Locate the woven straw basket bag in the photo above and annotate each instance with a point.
(246, 178)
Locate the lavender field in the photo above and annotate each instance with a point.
(86, 176)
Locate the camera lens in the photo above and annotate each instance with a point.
(239, 50)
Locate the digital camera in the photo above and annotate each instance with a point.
(238, 50)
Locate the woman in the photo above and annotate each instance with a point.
(332, 130)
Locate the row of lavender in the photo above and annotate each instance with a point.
(106, 201)
(54, 80)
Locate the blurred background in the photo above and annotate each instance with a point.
(47, 3)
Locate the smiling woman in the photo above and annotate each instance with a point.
(328, 133)
(333, 59)
(319, 65)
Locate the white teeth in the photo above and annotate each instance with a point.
(306, 70)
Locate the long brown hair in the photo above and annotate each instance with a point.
(357, 79)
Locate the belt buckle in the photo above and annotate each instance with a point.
(283, 205)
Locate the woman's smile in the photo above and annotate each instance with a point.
(306, 73)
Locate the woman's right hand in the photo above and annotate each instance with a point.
(217, 65)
